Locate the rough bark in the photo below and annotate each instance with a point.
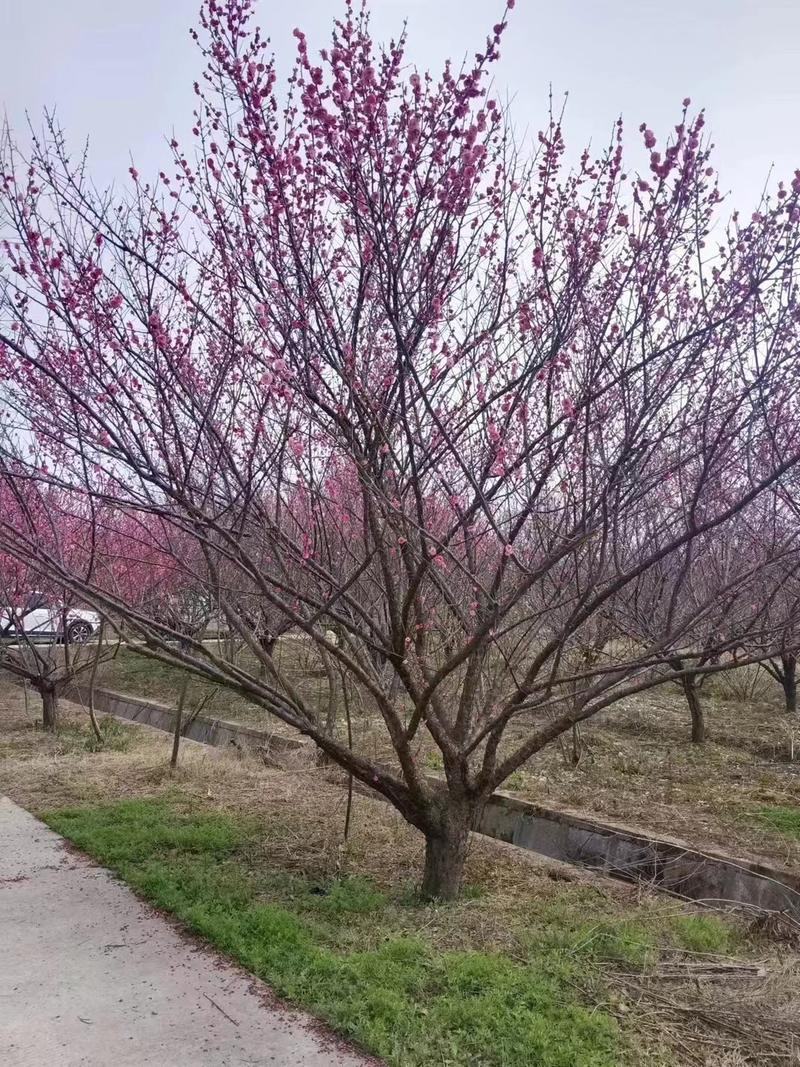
(349, 810)
(691, 690)
(267, 643)
(789, 682)
(50, 709)
(692, 694)
(446, 844)
(176, 737)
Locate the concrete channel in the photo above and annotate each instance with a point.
(219, 733)
(715, 878)
(712, 877)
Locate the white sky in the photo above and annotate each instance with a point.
(121, 71)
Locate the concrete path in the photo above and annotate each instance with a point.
(91, 977)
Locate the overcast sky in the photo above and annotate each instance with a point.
(121, 71)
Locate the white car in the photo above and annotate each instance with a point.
(42, 617)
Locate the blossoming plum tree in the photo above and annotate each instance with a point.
(43, 659)
(82, 544)
(403, 378)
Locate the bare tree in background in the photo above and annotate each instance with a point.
(718, 603)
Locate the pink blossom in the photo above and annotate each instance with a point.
(369, 342)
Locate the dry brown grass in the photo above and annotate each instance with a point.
(302, 817)
(638, 765)
(306, 812)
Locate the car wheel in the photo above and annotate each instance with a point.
(78, 633)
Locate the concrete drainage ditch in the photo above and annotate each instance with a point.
(218, 733)
(712, 877)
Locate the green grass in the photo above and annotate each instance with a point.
(784, 819)
(705, 933)
(79, 736)
(134, 673)
(357, 956)
(131, 672)
(637, 941)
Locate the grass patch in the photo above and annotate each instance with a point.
(139, 675)
(73, 737)
(115, 736)
(705, 933)
(433, 759)
(343, 948)
(630, 942)
(784, 819)
(131, 672)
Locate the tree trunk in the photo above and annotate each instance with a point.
(446, 852)
(49, 710)
(692, 694)
(176, 736)
(789, 682)
(93, 681)
(333, 692)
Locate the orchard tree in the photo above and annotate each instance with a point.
(91, 545)
(781, 520)
(404, 379)
(782, 666)
(36, 624)
(719, 603)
